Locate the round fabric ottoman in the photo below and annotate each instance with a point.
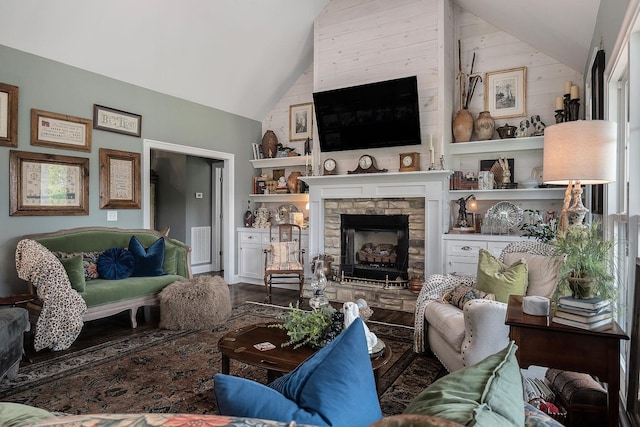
(203, 302)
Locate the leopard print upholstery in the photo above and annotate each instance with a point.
(60, 320)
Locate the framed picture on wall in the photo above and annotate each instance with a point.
(60, 131)
(8, 115)
(505, 93)
(112, 120)
(47, 184)
(300, 121)
(119, 179)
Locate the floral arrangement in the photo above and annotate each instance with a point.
(543, 230)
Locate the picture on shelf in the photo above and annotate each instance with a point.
(494, 166)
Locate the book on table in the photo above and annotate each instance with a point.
(582, 325)
(584, 316)
(590, 304)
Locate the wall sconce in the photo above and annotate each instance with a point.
(463, 223)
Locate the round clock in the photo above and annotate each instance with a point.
(406, 161)
(329, 167)
(365, 161)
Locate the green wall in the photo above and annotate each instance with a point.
(52, 86)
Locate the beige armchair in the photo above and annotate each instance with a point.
(460, 338)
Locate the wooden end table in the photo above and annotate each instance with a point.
(544, 343)
(239, 345)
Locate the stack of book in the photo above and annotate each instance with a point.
(583, 313)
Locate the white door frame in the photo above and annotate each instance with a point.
(228, 199)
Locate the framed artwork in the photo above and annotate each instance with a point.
(119, 179)
(46, 184)
(8, 115)
(496, 169)
(60, 131)
(505, 93)
(112, 120)
(300, 121)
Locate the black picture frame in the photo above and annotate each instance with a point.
(118, 121)
(597, 113)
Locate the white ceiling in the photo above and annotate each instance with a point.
(239, 56)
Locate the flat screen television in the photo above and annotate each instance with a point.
(382, 114)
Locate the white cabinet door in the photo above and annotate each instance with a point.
(251, 261)
(462, 257)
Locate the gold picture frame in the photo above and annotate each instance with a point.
(120, 185)
(60, 131)
(47, 184)
(8, 115)
(300, 121)
(505, 93)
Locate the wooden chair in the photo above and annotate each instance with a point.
(284, 258)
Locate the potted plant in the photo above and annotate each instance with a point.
(587, 270)
(314, 328)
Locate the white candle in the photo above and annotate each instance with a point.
(567, 87)
(431, 151)
(574, 92)
(559, 103)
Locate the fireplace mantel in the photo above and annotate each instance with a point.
(430, 185)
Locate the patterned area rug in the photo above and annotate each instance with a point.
(172, 371)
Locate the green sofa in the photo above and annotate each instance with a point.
(108, 297)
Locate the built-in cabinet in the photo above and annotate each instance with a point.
(251, 245)
(462, 250)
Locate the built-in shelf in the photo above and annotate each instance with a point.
(280, 162)
(554, 193)
(497, 145)
(280, 198)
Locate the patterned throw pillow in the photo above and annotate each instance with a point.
(461, 294)
(89, 262)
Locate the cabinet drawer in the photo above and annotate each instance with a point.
(465, 249)
(251, 237)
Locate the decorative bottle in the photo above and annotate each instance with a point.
(318, 285)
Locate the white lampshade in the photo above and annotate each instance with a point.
(582, 150)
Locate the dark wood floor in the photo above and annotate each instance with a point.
(102, 330)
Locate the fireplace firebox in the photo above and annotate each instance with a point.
(374, 246)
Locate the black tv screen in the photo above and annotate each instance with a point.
(382, 114)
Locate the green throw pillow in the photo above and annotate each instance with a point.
(496, 278)
(75, 270)
(488, 393)
(17, 414)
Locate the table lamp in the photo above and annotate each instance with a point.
(576, 153)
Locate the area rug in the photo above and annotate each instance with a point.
(172, 371)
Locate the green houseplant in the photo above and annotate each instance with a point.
(587, 270)
(312, 328)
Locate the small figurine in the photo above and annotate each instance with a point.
(538, 126)
(523, 129)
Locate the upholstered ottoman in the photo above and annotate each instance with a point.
(14, 322)
(203, 302)
(584, 398)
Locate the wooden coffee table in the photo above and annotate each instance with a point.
(239, 345)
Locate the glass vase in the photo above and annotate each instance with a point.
(318, 285)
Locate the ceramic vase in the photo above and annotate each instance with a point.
(484, 126)
(292, 182)
(269, 144)
(462, 126)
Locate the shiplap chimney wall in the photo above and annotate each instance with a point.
(362, 41)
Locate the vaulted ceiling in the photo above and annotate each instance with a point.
(239, 56)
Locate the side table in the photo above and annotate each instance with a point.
(552, 345)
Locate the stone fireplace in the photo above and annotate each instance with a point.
(415, 199)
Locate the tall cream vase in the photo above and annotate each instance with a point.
(462, 126)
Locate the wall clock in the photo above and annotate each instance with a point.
(329, 167)
(367, 164)
(409, 162)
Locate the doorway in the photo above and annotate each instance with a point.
(224, 221)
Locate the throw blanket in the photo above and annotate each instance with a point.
(433, 290)
(60, 320)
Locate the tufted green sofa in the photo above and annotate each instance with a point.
(108, 297)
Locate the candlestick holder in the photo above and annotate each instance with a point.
(565, 102)
(559, 116)
(574, 109)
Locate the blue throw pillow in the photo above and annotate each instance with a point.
(148, 261)
(116, 264)
(334, 387)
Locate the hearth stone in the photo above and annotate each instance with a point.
(376, 296)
